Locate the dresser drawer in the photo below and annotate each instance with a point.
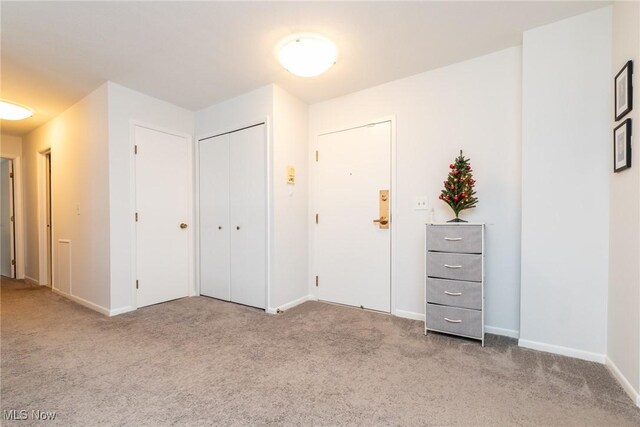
(466, 239)
(455, 293)
(454, 266)
(453, 320)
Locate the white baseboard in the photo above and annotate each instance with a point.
(563, 351)
(31, 280)
(511, 333)
(626, 385)
(410, 315)
(83, 302)
(290, 304)
(121, 310)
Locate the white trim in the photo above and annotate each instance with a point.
(563, 351)
(266, 121)
(83, 302)
(410, 315)
(121, 310)
(290, 304)
(31, 280)
(191, 287)
(626, 385)
(313, 191)
(43, 258)
(511, 333)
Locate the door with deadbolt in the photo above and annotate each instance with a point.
(352, 254)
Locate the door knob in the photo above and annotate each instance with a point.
(382, 220)
(183, 225)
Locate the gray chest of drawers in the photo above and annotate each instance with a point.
(455, 279)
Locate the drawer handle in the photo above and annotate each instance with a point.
(453, 239)
(453, 321)
(452, 266)
(453, 294)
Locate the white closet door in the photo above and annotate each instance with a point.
(248, 201)
(214, 218)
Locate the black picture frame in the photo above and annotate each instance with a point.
(623, 90)
(622, 146)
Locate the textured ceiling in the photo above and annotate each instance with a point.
(195, 54)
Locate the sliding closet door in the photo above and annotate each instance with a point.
(214, 217)
(248, 216)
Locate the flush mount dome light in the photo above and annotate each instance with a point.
(11, 111)
(307, 55)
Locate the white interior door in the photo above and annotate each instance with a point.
(352, 252)
(248, 216)
(214, 217)
(162, 187)
(7, 267)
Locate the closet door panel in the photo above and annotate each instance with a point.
(214, 218)
(248, 201)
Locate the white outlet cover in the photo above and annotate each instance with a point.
(420, 203)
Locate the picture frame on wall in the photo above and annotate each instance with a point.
(622, 146)
(624, 91)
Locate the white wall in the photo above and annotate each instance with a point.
(11, 148)
(623, 345)
(566, 132)
(78, 139)
(289, 275)
(126, 106)
(473, 106)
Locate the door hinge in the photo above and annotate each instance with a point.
(317, 218)
(317, 155)
(136, 216)
(136, 283)
(13, 262)
(135, 149)
(11, 218)
(317, 281)
(10, 174)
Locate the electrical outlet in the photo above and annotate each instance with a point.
(420, 203)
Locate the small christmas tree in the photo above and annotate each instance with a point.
(458, 189)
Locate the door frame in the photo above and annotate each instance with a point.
(43, 252)
(313, 202)
(18, 235)
(132, 203)
(266, 121)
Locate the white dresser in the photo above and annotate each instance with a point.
(455, 279)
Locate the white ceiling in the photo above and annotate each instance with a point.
(195, 54)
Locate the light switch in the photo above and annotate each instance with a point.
(291, 175)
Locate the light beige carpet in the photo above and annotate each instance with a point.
(198, 361)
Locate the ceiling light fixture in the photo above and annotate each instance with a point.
(12, 111)
(307, 55)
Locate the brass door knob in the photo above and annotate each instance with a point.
(183, 225)
(383, 220)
